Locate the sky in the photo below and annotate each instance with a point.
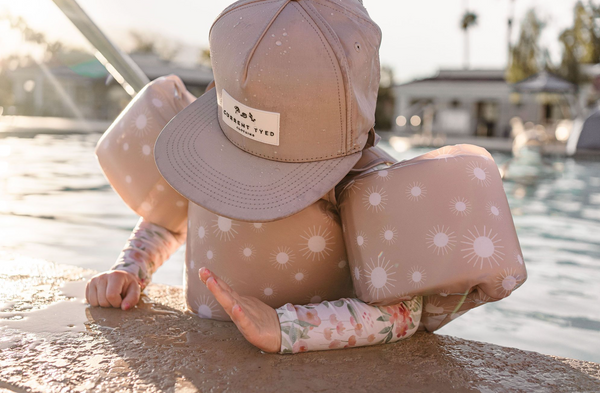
(419, 37)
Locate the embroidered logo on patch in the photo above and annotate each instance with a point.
(261, 126)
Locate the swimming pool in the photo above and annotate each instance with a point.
(55, 204)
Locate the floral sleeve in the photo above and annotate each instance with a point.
(148, 247)
(346, 323)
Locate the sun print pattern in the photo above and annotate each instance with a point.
(444, 153)
(361, 239)
(248, 252)
(375, 199)
(207, 307)
(388, 234)
(268, 291)
(441, 240)
(507, 282)
(416, 276)
(201, 230)
(416, 191)
(482, 247)
(493, 210)
(479, 174)
(224, 228)
(384, 175)
(318, 243)
(460, 206)
(379, 274)
(300, 276)
(282, 257)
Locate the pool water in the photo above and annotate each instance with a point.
(55, 204)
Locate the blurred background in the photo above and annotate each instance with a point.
(518, 77)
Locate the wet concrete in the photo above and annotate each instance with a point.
(50, 341)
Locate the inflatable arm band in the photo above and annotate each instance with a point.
(126, 153)
(439, 226)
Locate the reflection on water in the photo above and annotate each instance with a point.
(55, 204)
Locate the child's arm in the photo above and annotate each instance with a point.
(327, 325)
(346, 323)
(148, 247)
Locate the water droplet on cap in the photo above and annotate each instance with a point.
(278, 43)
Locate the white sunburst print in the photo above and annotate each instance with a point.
(357, 273)
(416, 191)
(441, 240)
(384, 174)
(519, 258)
(379, 276)
(248, 252)
(315, 297)
(482, 247)
(388, 234)
(342, 264)
(375, 199)
(227, 281)
(479, 173)
(493, 210)
(210, 256)
(299, 276)
(361, 239)
(434, 307)
(317, 242)
(283, 257)
(507, 282)
(258, 227)
(201, 232)
(145, 150)
(268, 291)
(224, 228)
(141, 121)
(416, 276)
(207, 307)
(460, 206)
(445, 153)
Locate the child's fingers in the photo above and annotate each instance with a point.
(204, 274)
(91, 295)
(223, 297)
(113, 291)
(101, 293)
(132, 295)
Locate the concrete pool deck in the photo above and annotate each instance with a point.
(51, 341)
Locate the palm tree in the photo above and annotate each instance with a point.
(469, 20)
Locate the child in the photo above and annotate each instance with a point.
(292, 110)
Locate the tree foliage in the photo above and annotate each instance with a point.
(527, 57)
(580, 42)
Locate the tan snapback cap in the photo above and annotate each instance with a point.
(296, 85)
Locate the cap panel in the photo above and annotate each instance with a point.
(360, 39)
(293, 72)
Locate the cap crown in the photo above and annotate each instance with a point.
(296, 81)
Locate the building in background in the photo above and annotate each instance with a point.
(85, 88)
(472, 103)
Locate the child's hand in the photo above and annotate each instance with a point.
(116, 288)
(257, 321)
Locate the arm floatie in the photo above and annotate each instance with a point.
(299, 259)
(437, 226)
(126, 153)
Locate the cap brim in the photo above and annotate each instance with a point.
(196, 158)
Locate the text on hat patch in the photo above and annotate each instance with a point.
(261, 126)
